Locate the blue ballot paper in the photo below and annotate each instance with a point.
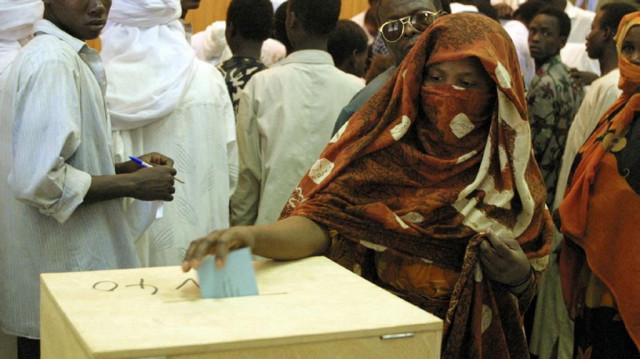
(236, 279)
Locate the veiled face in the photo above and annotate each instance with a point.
(467, 73)
(82, 19)
(631, 45)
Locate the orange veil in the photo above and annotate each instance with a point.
(600, 209)
(425, 175)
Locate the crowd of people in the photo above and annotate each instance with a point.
(479, 161)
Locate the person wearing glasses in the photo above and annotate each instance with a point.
(431, 192)
(403, 21)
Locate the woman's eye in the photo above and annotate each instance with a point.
(627, 49)
(467, 84)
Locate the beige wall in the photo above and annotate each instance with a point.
(213, 10)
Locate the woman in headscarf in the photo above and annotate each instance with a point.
(599, 260)
(430, 191)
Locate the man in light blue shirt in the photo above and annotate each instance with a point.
(60, 190)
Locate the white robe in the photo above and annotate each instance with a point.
(200, 137)
(161, 98)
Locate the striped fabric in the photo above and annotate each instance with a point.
(54, 133)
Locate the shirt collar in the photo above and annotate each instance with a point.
(309, 57)
(47, 27)
(549, 64)
(87, 54)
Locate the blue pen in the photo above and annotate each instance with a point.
(144, 164)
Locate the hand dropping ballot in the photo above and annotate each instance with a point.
(236, 279)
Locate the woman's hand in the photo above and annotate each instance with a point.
(218, 243)
(504, 261)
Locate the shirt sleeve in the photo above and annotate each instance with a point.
(46, 133)
(232, 144)
(246, 198)
(542, 114)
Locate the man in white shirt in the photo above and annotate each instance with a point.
(581, 20)
(574, 53)
(552, 327)
(161, 97)
(286, 114)
(60, 192)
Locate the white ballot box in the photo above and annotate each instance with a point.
(310, 308)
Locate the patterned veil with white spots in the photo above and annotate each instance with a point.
(424, 173)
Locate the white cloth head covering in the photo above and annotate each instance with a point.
(16, 25)
(211, 46)
(148, 62)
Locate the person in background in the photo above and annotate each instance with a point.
(517, 30)
(552, 334)
(286, 114)
(580, 19)
(599, 220)
(249, 24)
(602, 92)
(553, 99)
(280, 29)
(431, 192)
(585, 78)
(60, 190)
(348, 47)
(574, 54)
(160, 96)
(403, 21)
(211, 45)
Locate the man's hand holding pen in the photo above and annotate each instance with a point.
(151, 176)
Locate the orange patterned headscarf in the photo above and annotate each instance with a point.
(600, 212)
(425, 171)
(395, 178)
